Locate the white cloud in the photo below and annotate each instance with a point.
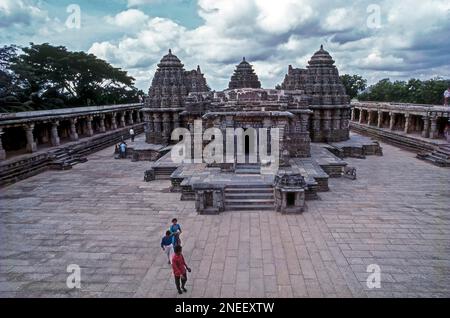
(340, 19)
(274, 34)
(129, 18)
(132, 3)
(376, 61)
(282, 16)
(15, 13)
(145, 48)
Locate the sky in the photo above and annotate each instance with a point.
(399, 39)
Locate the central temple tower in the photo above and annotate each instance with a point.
(244, 77)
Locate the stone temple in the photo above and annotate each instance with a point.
(311, 113)
(82, 205)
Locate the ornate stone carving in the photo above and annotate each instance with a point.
(244, 77)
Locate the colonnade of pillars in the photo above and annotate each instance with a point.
(51, 132)
(159, 126)
(408, 123)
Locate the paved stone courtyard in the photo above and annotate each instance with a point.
(103, 217)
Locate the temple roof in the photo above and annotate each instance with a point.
(321, 57)
(244, 76)
(170, 60)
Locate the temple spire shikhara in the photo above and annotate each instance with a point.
(244, 77)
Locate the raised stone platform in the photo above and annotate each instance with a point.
(243, 179)
(357, 147)
(142, 151)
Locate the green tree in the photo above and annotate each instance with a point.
(354, 84)
(7, 54)
(56, 77)
(414, 91)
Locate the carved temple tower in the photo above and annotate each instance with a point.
(329, 102)
(166, 97)
(244, 77)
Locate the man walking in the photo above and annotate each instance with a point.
(167, 245)
(179, 267)
(175, 229)
(132, 134)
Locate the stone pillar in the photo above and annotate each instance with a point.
(407, 123)
(151, 125)
(2, 150)
(54, 134)
(353, 114)
(148, 121)
(73, 129)
(433, 128)
(361, 115)
(176, 120)
(157, 128)
(138, 117)
(317, 136)
(122, 119)
(336, 120)
(102, 124)
(426, 127)
(130, 119)
(370, 118)
(304, 122)
(113, 121)
(327, 124)
(166, 127)
(380, 119)
(391, 121)
(157, 122)
(31, 144)
(90, 131)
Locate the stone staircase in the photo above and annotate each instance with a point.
(61, 158)
(248, 197)
(65, 159)
(394, 138)
(164, 172)
(439, 157)
(248, 168)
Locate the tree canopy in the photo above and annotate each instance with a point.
(45, 76)
(413, 91)
(354, 84)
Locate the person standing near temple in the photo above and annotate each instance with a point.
(446, 96)
(175, 229)
(179, 267)
(123, 150)
(167, 245)
(132, 134)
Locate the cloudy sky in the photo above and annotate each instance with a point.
(376, 39)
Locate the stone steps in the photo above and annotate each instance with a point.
(61, 158)
(439, 157)
(23, 169)
(247, 168)
(393, 138)
(249, 197)
(163, 173)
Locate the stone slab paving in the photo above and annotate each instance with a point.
(103, 217)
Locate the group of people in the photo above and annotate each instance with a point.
(171, 245)
(121, 148)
